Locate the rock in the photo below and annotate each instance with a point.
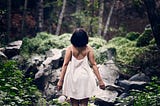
(107, 96)
(50, 90)
(13, 49)
(109, 72)
(128, 85)
(140, 77)
(3, 56)
(111, 53)
(54, 58)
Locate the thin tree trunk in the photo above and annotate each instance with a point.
(78, 5)
(154, 19)
(40, 16)
(61, 18)
(9, 23)
(24, 17)
(101, 10)
(78, 12)
(108, 20)
(90, 32)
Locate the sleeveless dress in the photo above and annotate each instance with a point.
(79, 80)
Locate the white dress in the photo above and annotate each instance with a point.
(79, 80)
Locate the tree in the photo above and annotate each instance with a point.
(40, 16)
(24, 16)
(9, 22)
(108, 20)
(154, 19)
(61, 18)
(90, 31)
(78, 5)
(101, 10)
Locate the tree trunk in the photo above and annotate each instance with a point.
(9, 22)
(154, 19)
(24, 17)
(61, 18)
(101, 9)
(78, 5)
(40, 16)
(108, 20)
(90, 32)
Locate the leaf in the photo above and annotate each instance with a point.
(14, 88)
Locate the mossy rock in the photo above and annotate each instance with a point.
(132, 35)
(145, 38)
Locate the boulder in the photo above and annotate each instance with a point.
(109, 72)
(140, 77)
(13, 49)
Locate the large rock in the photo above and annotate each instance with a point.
(128, 85)
(109, 74)
(54, 60)
(13, 49)
(140, 77)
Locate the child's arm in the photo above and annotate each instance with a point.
(95, 68)
(64, 67)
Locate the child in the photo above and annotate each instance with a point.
(77, 77)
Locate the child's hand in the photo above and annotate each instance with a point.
(59, 85)
(101, 85)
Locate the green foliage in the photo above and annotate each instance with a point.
(145, 38)
(149, 97)
(121, 31)
(127, 52)
(85, 20)
(132, 35)
(137, 3)
(43, 42)
(15, 90)
(148, 59)
(55, 102)
(97, 42)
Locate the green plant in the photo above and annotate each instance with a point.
(15, 90)
(43, 42)
(149, 97)
(132, 35)
(55, 102)
(145, 38)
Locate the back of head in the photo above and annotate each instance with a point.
(79, 38)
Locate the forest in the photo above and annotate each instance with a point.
(125, 35)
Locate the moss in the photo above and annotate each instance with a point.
(97, 42)
(145, 38)
(132, 35)
(43, 42)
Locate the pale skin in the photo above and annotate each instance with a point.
(80, 53)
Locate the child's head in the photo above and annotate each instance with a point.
(79, 38)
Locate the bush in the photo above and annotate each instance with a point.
(132, 35)
(145, 38)
(127, 53)
(149, 97)
(15, 90)
(43, 42)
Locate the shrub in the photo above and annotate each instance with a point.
(132, 35)
(127, 53)
(15, 90)
(148, 97)
(43, 42)
(145, 38)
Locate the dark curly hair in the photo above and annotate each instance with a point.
(79, 38)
